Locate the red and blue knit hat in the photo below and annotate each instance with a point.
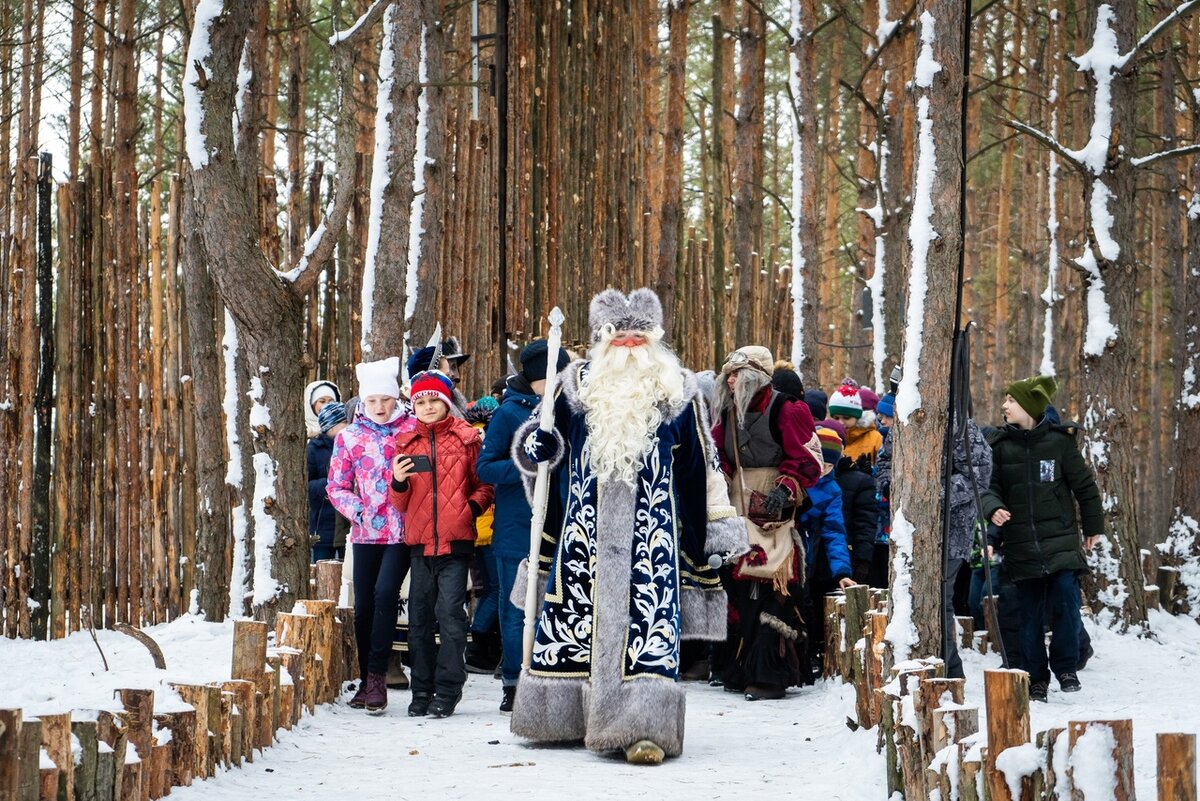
(832, 442)
(435, 383)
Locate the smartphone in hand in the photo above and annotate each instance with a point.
(420, 463)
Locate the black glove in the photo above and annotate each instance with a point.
(775, 502)
(541, 446)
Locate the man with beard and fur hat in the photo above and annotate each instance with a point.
(769, 450)
(636, 507)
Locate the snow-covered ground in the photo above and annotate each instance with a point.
(800, 745)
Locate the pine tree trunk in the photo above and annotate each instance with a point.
(748, 167)
(667, 282)
(921, 404)
(806, 255)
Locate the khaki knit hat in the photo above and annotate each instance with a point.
(1033, 394)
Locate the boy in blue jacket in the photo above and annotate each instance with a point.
(510, 527)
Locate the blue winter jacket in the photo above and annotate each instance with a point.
(321, 515)
(510, 528)
(824, 520)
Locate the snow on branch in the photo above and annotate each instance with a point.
(1181, 11)
(368, 19)
(1050, 142)
(1186, 150)
(194, 80)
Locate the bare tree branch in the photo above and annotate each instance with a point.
(351, 35)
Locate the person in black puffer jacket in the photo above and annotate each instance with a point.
(326, 527)
(1038, 477)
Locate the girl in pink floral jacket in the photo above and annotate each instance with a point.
(360, 471)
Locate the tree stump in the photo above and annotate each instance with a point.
(1167, 580)
(249, 650)
(322, 640)
(1113, 738)
(131, 781)
(198, 696)
(965, 626)
(276, 664)
(857, 603)
(29, 786)
(139, 717)
(110, 730)
(329, 580)
(1176, 767)
(49, 776)
(247, 705)
(56, 739)
(834, 606)
(10, 752)
(1055, 785)
(1007, 697)
(350, 668)
(880, 657)
(85, 767)
(181, 763)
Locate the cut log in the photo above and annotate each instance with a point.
(49, 776)
(329, 579)
(158, 771)
(858, 602)
(276, 665)
(1150, 593)
(29, 787)
(56, 740)
(1167, 581)
(322, 639)
(181, 764)
(198, 696)
(991, 616)
(1007, 697)
(249, 650)
(10, 752)
(965, 626)
(85, 762)
(139, 719)
(931, 696)
(970, 779)
(131, 781)
(834, 608)
(350, 668)
(1104, 738)
(110, 729)
(247, 706)
(880, 656)
(1176, 767)
(1055, 785)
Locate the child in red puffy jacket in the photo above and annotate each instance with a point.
(441, 496)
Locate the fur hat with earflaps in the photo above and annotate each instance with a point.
(640, 310)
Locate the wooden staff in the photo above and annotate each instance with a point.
(542, 486)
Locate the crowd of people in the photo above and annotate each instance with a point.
(694, 524)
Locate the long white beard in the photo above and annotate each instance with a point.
(622, 394)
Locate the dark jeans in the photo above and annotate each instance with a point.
(379, 570)
(1058, 596)
(320, 552)
(954, 668)
(487, 607)
(512, 619)
(438, 592)
(979, 589)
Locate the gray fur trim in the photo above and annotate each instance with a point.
(527, 468)
(570, 378)
(784, 630)
(609, 711)
(704, 613)
(727, 536)
(548, 709)
(640, 310)
(521, 584)
(640, 709)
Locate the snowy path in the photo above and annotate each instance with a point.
(731, 747)
(799, 746)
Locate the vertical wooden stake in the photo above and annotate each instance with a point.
(1176, 767)
(1121, 754)
(1007, 697)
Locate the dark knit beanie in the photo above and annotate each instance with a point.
(331, 415)
(1033, 394)
(818, 403)
(788, 382)
(534, 360)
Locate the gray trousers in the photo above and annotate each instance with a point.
(438, 592)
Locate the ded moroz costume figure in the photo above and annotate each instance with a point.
(637, 504)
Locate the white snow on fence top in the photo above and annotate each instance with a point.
(198, 52)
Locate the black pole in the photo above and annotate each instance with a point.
(956, 375)
(500, 68)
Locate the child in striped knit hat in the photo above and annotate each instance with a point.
(846, 406)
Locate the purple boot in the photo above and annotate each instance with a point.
(359, 699)
(375, 697)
